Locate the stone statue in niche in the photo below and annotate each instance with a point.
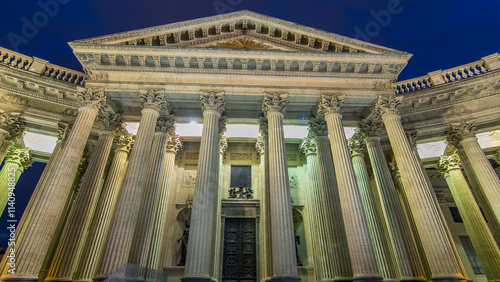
(294, 183)
(184, 242)
(297, 243)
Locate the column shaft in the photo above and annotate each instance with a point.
(46, 213)
(149, 203)
(486, 175)
(432, 233)
(378, 230)
(407, 256)
(65, 260)
(284, 258)
(360, 246)
(161, 213)
(339, 263)
(121, 231)
(98, 230)
(479, 233)
(201, 238)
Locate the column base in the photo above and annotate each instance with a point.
(371, 278)
(342, 279)
(196, 279)
(11, 277)
(449, 278)
(413, 279)
(58, 279)
(99, 278)
(285, 278)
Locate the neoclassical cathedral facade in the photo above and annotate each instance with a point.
(353, 199)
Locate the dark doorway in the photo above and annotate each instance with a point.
(239, 259)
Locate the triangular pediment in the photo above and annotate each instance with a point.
(241, 30)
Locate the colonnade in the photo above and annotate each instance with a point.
(391, 231)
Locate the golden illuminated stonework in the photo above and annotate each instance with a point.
(242, 43)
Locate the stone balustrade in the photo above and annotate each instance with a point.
(486, 64)
(42, 67)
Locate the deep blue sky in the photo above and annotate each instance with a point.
(440, 34)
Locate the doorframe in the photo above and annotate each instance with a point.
(231, 208)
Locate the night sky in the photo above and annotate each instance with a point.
(440, 34)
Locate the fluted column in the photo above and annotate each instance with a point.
(124, 221)
(385, 255)
(217, 229)
(149, 203)
(337, 264)
(477, 228)
(267, 247)
(489, 182)
(405, 250)
(11, 130)
(72, 239)
(438, 249)
(283, 236)
(17, 159)
(412, 138)
(363, 259)
(92, 250)
(199, 257)
(173, 147)
(39, 231)
(478, 192)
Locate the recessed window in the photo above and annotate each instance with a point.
(455, 214)
(241, 176)
(471, 255)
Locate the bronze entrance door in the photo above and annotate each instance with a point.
(239, 261)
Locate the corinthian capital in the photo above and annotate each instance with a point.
(91, 98)
(274, 103)
(213, 101)
(263, 126)
(165, 124)
(459, 132)
(222, 125)
(308, 146)
(13, 123)
(387, 106)
(22, 156)
(331, 104)
(223, 145)
(447, 163)
(125, 141)
(318, 126)
(174, 144)
(111, 122)
(153, 99)
(369, 128)
(259, 146)
(356, 144)
(63, 130)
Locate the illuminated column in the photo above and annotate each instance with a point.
(223, 149)
(405, 250)
(362, 254)
(199, 257)
(489, 182)
(174, 146)
(44, 220)
(283, 236)
(92, 250)
(477, 228)
(72, 239)
(149, 203)
(15, 163)
(337, 264)
(266, 236)
(121, 231)
(438, 249)
(412, 138)
(385, 256)
(11, 129)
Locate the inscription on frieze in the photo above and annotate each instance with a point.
(192, 155)
(241, 156)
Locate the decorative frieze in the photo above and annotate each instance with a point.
(241, 156)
